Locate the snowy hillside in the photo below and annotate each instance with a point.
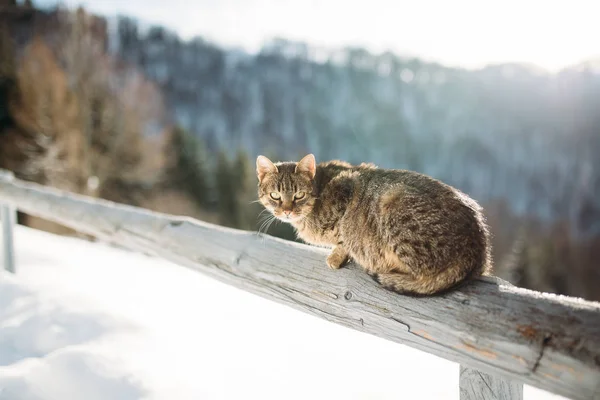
(507, 132)
(86, 321)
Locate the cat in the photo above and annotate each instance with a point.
(413, 234)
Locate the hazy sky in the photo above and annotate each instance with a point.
(469, 33)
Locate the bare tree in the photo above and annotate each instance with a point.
(41, 145)
(117, 105)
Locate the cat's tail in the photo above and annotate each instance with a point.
(427, 285)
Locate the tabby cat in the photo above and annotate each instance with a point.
(411, 233)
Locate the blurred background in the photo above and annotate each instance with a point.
(165, 105)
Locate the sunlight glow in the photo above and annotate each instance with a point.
(467, 33)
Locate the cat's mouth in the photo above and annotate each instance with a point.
(289, 217)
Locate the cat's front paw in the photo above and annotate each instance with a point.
(336, 260)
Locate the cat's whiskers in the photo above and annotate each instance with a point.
(261, 213)
(269, 224)
(262, 222)
(266, 223)
(260, 217)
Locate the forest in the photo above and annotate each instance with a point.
(115, 109)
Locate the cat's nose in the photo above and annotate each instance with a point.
(287, 213)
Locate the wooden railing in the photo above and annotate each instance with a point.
(502, 336)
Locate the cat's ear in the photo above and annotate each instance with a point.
(264, 166)
(307, 165)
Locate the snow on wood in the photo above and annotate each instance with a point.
(547, 341)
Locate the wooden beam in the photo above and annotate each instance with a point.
(548, 341)
(477, 385)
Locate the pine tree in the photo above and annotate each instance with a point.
(227, 192)
(240, 170)
(186, 166)
(244, 180)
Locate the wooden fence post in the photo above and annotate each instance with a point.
(8, 215)
(476, 385)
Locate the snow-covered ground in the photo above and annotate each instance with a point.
(83, 320)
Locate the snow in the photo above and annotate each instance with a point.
(83, 320)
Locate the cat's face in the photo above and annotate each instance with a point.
(286, 188)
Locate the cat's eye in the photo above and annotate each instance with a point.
(299, 195)
(275, 196)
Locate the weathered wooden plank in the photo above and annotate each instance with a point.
(547, 341)
(477, 385)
